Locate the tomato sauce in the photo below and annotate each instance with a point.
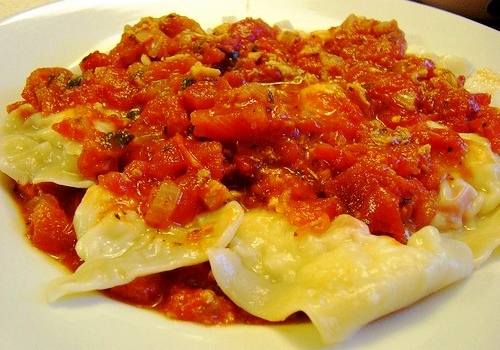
(310, 126)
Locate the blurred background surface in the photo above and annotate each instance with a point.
(486, 12)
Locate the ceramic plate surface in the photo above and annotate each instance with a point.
(463, 316)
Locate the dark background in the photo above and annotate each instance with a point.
(493, 9)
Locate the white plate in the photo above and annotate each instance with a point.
(464, 316)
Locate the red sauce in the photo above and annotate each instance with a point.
(366, 150)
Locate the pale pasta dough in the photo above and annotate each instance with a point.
(118, 246)
(341, 279)
(32, 152)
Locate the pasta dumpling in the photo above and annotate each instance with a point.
(32, 152)
(117, 245)
(342, 279)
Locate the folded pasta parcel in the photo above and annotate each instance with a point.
(255, 174)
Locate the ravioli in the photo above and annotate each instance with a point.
(30, 151)
(342, 279)
(118, 246)
(468, 208)
(484, 167)
(483, 239)
(347, 277)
